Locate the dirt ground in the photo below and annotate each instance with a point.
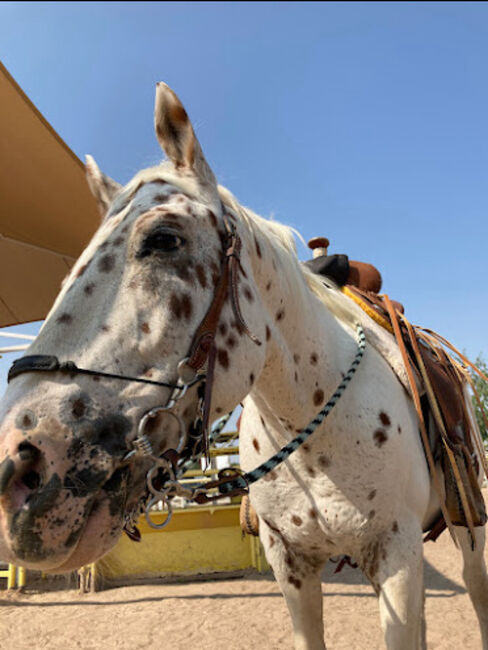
(231, 613)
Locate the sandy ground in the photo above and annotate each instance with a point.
(245, 611)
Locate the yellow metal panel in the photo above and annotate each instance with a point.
(179, 553)
(11, 576)
(197, 540)
(193, 519)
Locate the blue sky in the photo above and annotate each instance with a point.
(363, 122)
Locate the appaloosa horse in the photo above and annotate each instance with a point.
(180, 280)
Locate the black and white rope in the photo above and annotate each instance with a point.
(244, 480)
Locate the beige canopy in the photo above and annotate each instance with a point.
(47, 214)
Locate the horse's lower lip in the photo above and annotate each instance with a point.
(86, 549)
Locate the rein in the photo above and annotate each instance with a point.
(234, 483)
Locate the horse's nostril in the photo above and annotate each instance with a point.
(32, 480)
(28, 452)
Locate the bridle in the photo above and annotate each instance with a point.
(202, 352)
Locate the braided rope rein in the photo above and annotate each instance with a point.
(242, 482)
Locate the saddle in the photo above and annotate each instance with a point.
(449, 434)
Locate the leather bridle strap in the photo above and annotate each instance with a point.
(50, 363)
(204, 337)
(202, 348)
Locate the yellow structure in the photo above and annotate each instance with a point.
(197, 540)
(15, 576)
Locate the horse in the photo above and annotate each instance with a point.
(183, 305)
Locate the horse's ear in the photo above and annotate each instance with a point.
(102, 187)
(177, 138)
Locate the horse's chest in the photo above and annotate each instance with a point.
(316, 512)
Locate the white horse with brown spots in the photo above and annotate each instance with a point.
(131, 306)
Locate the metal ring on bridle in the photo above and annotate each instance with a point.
(150, 504)
(183, 434)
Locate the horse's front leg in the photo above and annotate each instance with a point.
(394, 564)
(475, 576)
(299, 580)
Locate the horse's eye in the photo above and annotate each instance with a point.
(165, 242)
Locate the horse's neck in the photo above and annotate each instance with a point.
(308, 353)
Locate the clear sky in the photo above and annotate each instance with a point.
(363, 122)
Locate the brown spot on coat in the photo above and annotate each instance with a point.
(295, 582)
(305, 446)
(394, 528)
(271, 541)
(201, 276)
(223, 358)
(268, 285)
(324, 462)
(371, 495)
(251, 378)
(88, 288)
(399, 429)
(78, 408)
(380, 437)
(181, 307)
(313, 513)
(145, 328)
(106, 263)
(64, 318)
(280, 314)
(231, 342)
(248, 294)
(371, 514)
(296, 520)
(255, 444)
(223, 329)
(213, 218)
(318, 396)
(385, 419)
(270, 476)
(258, 247)
(370, 559)
(268, 333)
(296, 358)
(310, 471)
(314, 358)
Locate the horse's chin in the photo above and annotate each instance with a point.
(99, 534)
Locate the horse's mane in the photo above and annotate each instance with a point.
(280, 239)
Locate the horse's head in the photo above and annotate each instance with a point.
(147, 293)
